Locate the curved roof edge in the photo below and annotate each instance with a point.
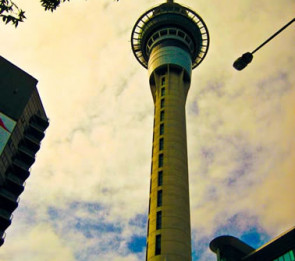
(230, 241)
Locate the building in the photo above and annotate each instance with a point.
(22, 125)
(229, 248)
(169, 40)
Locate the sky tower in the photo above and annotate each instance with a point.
(169, 40)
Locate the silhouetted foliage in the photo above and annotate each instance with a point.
(51, 4)
(9, 12)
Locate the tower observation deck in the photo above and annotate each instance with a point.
(169, 40)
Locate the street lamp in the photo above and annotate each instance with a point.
(246, 58)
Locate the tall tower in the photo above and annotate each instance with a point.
(169, 40)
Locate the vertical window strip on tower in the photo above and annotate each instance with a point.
(162, 115)
(160, 178)
(161, 160)
(151, 186)
(163, 79)
(152, 165)
(161, 144)
(146, 252)
(158, 245)
(159, 198)
(162, 103)
(159, 220)
(161, 128)
(162, 91)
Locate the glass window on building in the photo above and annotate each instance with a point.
(158, 245)
(159, 220)
(160, 178)
(162, 91)
(162, 103)
(162, 115)
(161, 160)
(159, 198)
(289, 256)
(146, 252)
(151, 186)
(152, 167)
(161, 144)
(163, 79)
(161, 128)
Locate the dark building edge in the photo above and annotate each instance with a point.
(20, 101)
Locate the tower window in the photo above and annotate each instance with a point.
(161, 160)
(172, 31)
(151, 186)
(160, 178)
(163, 81)
(161, 144)
(162, 103)
(163, 32)
(161, 128)
(159, 220)
(156, 36)
(163, 91)
(159, 198)
(151, 167)
(146, 252)
(161, 115)
(158, 245)
(181, 34)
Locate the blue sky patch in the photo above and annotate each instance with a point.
(137, 244)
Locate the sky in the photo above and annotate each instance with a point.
(87, 196)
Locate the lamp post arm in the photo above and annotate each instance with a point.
(274, 35)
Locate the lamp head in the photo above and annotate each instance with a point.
(243, 61)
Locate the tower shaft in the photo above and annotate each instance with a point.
(169, 236)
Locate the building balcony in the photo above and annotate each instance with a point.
(14, 184)
(35, 132)
(20, 169)
(26, 150)
(5, 221)
(30, 143)
(39, 123)
(2, 238)
(30, 136)
(8, 200)
(26, 156)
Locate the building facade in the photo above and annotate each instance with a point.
(229, 248)
(23, 122)
(169, 40)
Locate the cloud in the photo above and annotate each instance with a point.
(87, 195)
(39, 243)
